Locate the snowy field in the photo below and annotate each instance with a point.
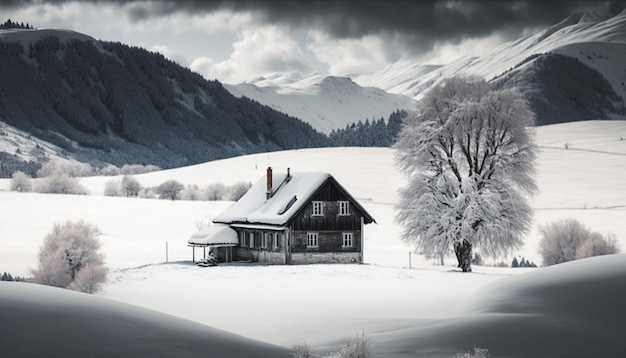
(400, 308)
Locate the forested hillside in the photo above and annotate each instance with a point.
(108, 102)
(561, 88)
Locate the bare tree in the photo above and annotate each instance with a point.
(469, 156)
(70, 248)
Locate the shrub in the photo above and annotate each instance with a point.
(70, 249)
(147, 193)
(59, 184)
(478, 353)
(65, 168)
(237, 190)
(113, 188)
(191, 192)
(170, 189)
(303, 350)
(130, 186)
(568, 240)
(216, 191)
(21, 182)
(357, 347)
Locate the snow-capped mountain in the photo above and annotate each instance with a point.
(598, 42)
(326, 103)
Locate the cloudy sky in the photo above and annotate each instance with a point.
(238, 40)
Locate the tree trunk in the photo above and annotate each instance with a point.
(463, 252)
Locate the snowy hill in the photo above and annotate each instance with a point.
(51, 322)
(428, 310)
(326, 103)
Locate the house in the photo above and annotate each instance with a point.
(287, 218)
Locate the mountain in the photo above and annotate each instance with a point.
(325, 102)
(595, 48)
(105, 102)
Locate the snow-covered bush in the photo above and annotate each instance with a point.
(113, 188)
(358, 347)
(303, 350)
(568, 240)
(110, 170)
(70, 249)
(59, 184)
(214, 192)
(478, 353)
(191, 192)
(170, 189)
(21, 182)
(130, 186)
(237, 190)
(65, 168)
(147, 193)
(131, 169)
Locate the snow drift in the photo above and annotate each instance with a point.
(573, 309)
(41, 321)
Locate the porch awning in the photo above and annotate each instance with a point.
(215, 235)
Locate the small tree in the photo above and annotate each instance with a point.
(130, 186)
(113, 188)
(21, 182)
(238, 190)
(170, 189)
(569, 239)
(69, 249)
(469, 156)
(191, 192)
(216, 191)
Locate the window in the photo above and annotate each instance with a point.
(344, 208)
(242, 239)
(347, 240)
(251, 239)
(317, 208)
(264, 239)
(312, 239)
(276, 240)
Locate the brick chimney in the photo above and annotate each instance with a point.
(268, 192)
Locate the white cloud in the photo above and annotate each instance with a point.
(259, 50)
(445, 53)
(349, 56)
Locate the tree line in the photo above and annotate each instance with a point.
(14, 25)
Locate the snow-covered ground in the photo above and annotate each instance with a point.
(400, 308)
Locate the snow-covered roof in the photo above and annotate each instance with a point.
(290, 194)
(214, 235)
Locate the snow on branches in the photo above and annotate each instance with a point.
(469, 154)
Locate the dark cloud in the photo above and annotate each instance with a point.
(418, 23)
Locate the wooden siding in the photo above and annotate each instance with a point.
(329, 241)
(330, 196)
